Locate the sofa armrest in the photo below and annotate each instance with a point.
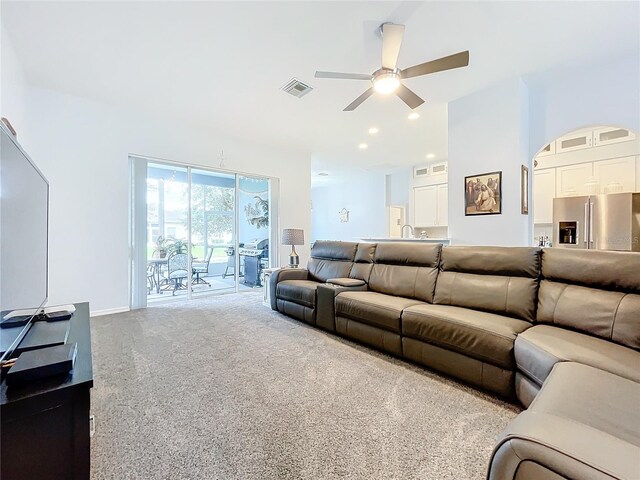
(282, 275)
(347, 282)
(325, 303)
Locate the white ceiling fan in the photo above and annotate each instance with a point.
(388, 79)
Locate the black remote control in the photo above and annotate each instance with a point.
(57, 316)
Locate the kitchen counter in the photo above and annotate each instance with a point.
(444, 241)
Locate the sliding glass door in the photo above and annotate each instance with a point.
(197, 231)
(253, 229)
(213, 200)
(167, 219)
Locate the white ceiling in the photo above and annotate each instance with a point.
(221, 64)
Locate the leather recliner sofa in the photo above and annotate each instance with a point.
(558, 328)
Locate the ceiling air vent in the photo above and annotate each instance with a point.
(296, 88)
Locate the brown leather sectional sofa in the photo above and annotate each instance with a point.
(559, 329)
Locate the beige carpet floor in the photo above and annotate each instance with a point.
(225, 388)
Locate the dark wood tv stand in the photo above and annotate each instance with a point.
(44, 425)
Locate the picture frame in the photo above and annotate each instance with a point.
(483, 194)
(524, 190)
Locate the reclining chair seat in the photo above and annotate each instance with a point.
(584, 423)
(539, 348)
(373, 308)
(302, 292)
(488, 337)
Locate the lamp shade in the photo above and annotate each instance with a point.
(292, 236)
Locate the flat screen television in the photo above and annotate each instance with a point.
(24, 229)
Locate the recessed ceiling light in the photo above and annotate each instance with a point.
(323, 174)
(373, 130)
(363, 146)
(413, 116)
(430, 155)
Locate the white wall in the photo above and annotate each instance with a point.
(12, 82)
(602, 94)
(487, 133)
(363, 196)
(83, 148)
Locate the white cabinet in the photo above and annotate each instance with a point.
(571, 180)
(609, 135)
(443, 205)
(620, 171)
(425, 206)
(549, 149)
(544, 191)
(431, 206)
(574, 141)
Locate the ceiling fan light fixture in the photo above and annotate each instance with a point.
(386, 83)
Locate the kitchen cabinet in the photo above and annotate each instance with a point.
(571, 180)
(549, 149)
(425, 200)
(443, 205)
(574, 141)
(618, 170)
(430, 205)
(544, 191)
(609, 135)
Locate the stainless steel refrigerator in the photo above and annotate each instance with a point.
(600, 222)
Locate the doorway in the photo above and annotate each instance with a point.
(198, 231)
(397, 218)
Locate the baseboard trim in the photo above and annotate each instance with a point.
(109, 311)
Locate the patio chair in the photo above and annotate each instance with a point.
(202, 268)
(177, 266)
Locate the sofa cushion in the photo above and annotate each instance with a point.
(363, 262)
(405, 269)
(593, 268)
(373, 308)
(592, 291)
(331, 259)
(481, 335)
(503, 261)
(539, 348)
(584, 423)
(302, 292)
(501, 280)
(611, 315)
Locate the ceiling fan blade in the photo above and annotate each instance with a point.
(392, 35)
(356, 103)
(456, 60)
(408, 97)
(344, 76)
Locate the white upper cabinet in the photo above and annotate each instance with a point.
(425, 206)
(431, 206)
(443, 205)
(609, 135)
(616, 175)
(544, 191)
(574, 141)
(549, 149)
(571, 180)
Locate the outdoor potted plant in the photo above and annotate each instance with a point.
(161, 246)
(178, 246)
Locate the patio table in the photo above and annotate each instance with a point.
(157, 267)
